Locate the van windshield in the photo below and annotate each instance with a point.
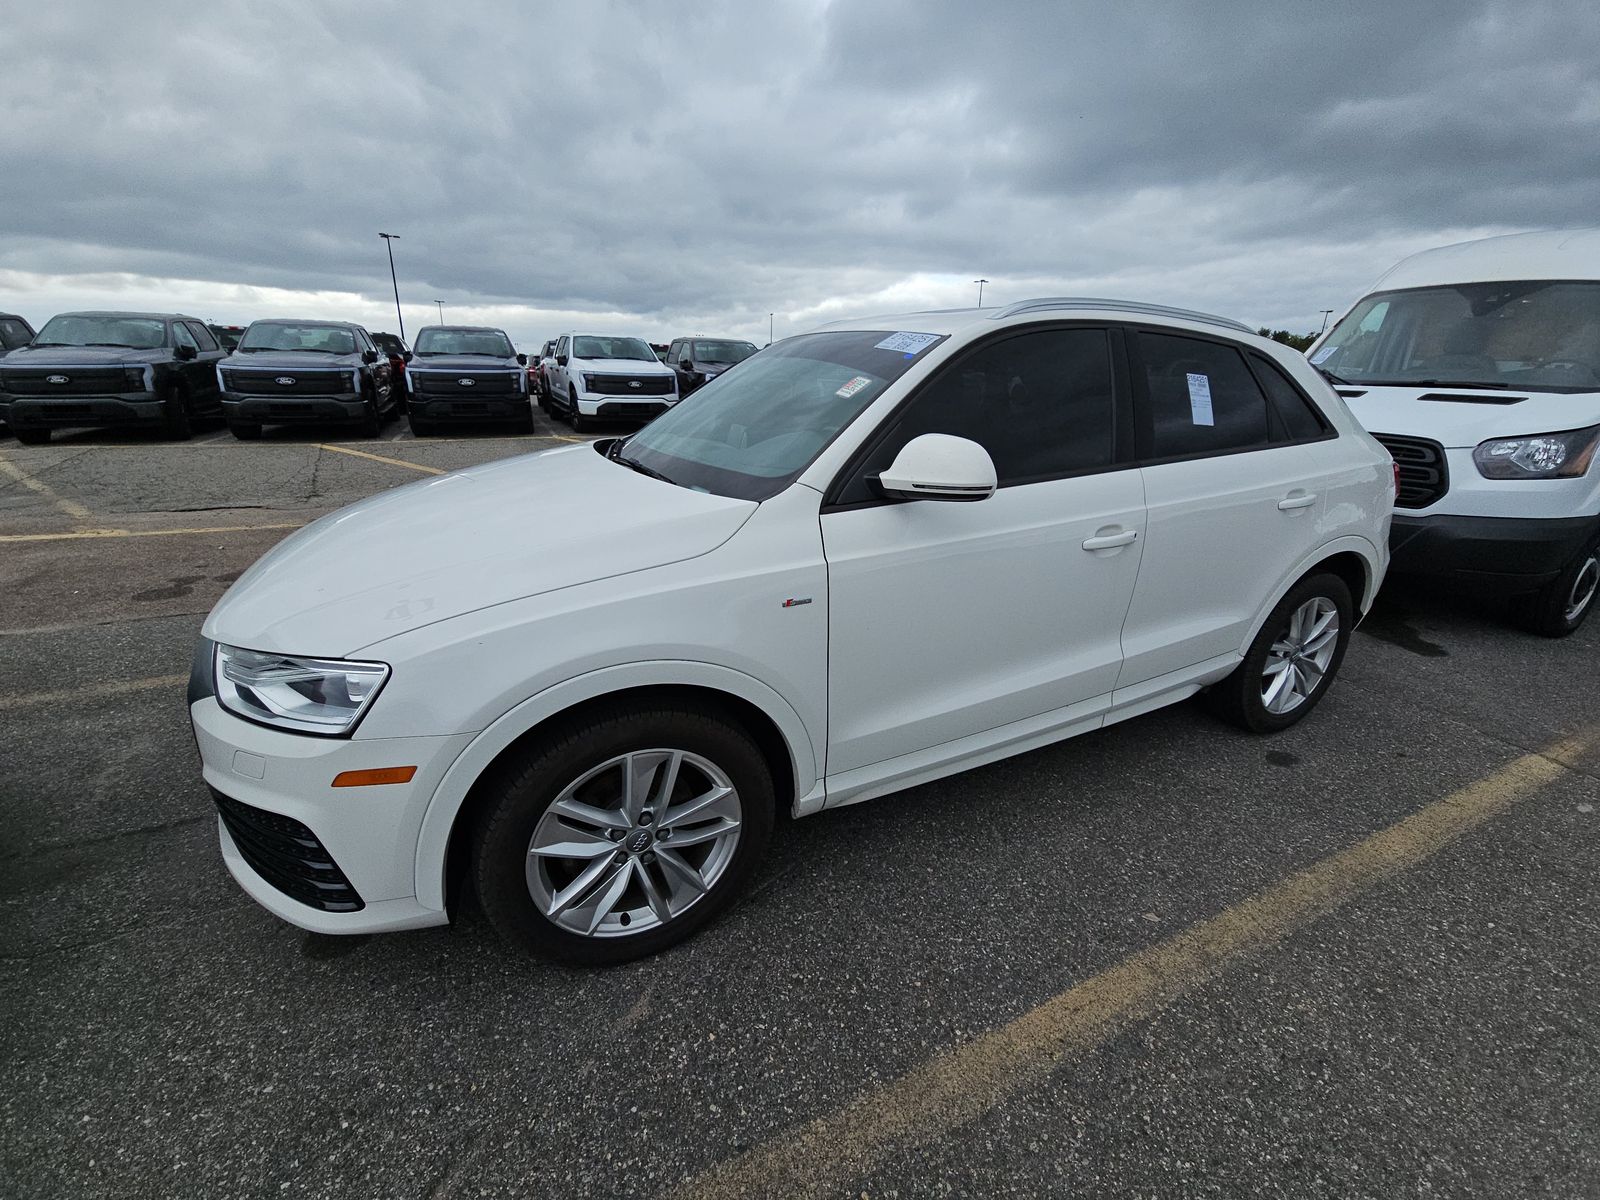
(749, 432)
(1534, 334)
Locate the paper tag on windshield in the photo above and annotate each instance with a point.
(1200, 400)
(854, 386)
(1322, 355)
(909, 344)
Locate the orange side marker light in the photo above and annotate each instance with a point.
(374, 776)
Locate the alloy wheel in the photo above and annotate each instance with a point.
(1584, 585)
(633, 842)
(1298, 660)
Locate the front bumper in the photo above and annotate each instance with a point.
(617, 408)
(367, 834)
(285, 410)
(511, 407)
(120, 408)
(1489, 555)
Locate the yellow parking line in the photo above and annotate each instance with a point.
(91, 691)
(393, 462)
(70, 507)
(84, 534)
(922, 1106)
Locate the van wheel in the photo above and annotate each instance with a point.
(1292, 660)
(1563, 604)
(622, 835)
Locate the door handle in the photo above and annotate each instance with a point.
(1296, 500)
(1111, 541)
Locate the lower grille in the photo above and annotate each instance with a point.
(630, 385)
(288, 856)
(1424, 476)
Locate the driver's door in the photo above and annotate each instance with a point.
(948, 619)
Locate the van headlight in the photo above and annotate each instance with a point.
(1538, 455)
(307, 695)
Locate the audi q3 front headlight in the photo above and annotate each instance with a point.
(324, 696)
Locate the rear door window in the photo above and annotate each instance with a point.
(1301, 418)
(1200, 398)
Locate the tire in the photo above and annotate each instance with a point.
(245, 431)
(420, 426)
(178, 422)
(543, 393)
(524, 423)
(1563, 604)
(1241, 698)
(575, 418)
(30, 436)
(371, 423)
(518, 887)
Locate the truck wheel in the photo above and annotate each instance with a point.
(31, 437)
(524, 423)
(575, 418)
(371, 423)
(1563, 604)
(420, 425)
(177, 422)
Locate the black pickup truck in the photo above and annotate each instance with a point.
(299, 372)
(466, 373)
(111, 368)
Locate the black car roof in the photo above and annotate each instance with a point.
(148, 316)
(463, 329)
(316, 324)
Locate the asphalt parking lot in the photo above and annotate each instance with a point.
(1356, 959)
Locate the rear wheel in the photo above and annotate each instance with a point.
(31, 436)
(622, 835)
(1292, 660)
(245, 431)
(1563, 604)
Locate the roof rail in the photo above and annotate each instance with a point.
(1131, 306)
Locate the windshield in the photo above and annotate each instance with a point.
(749, 432)
(313, 339)
(612, 347)
(1531, 334)
(722, 352)
(437, 339)
(228, 335)
(136, 333)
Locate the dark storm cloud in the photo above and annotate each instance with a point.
(730, 159)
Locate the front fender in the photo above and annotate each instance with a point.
(439, 819)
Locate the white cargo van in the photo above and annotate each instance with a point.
(1478, 367)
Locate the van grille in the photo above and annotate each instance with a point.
(1424, 477)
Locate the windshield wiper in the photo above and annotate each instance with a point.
(615, 455)
(1332, 378)
(1457, 384)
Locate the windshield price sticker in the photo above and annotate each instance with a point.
(1322, 356)
(851, 388)
(1200, 400)
(909, 344)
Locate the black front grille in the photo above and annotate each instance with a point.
(288, 856)
(453, 383)
(1424, 477)
(301, 383)
(631, 385)
(79, 381)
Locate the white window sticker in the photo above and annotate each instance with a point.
(1322, 355)
(854, 386)
(1200, 400)
(909, 344)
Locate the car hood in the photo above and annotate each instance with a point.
(1466, 422)
(620, 366)
(304, 360)
(83, 356)
(462, 362)
(437, 549)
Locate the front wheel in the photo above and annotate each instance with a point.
(177, 420)
(575, 417)
(371, 423)
(1563, 604)
(1292, 660)
(622, 835)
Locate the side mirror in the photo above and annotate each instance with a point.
(405, 356)
(685, 365)
(185, 352)
(369, 356)
(937, 466)
(523, 359)
(561, 360)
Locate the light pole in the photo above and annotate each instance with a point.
(1326, 313)
(389, 239)
(440, 303)
(769, 329)
(980, 283)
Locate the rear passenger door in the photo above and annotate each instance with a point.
(948, 620)
(1231, 503)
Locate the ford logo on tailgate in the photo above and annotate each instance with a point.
(284, 380)
(467, 382)
(55, 379)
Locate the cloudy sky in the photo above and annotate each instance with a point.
(692, 167)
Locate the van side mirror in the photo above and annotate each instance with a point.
(938, 466)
